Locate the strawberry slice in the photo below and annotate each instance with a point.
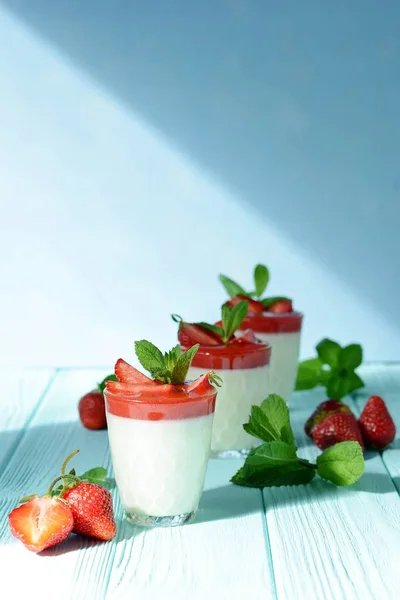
(125, 373)
(117, 387)
(255, 307)
(201, 385)
(190, 334)
(281, 306)
(41, 522)
(248, 336)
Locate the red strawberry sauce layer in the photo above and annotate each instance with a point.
(270, 322)
(169, 402)
(236, 355)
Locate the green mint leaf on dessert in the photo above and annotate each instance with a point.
(182, 365)
(267, 302)
(232, 318)
(214, 328)
(350, 356)
(232, 288)
(102, 384)
(343, 463)
(270, 421)
(171, 357)
(274, 464)
(329, 351)
(309, 374)
(150, 357)
(261, 278)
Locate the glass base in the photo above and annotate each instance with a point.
(169, 521)
(231, 453)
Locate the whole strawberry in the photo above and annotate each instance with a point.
(376, 425)
(91, 504)
(323, 410)
(335, 428)
(91, 407)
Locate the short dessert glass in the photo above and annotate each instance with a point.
(160, 446)
(282, 332)
(244, 370)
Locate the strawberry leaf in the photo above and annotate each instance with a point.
(96, 475)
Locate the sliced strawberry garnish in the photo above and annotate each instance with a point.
(117, 387)
(255, 307)
(41, 522)
(201, 385)
(190, 334)
(281, 306)
(247, 337)
(128, 374)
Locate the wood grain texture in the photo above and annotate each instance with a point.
(21, 391)
(224, 550)
(336, 543)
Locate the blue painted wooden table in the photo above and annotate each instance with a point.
(316, 541)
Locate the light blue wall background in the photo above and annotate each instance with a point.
(145, 146)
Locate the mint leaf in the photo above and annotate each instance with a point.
(273, 464)
(338, 386)
(233, 288)
(260, 426)
(232, 318)
(277, 412)
(102, 384)
(261, 278)
(267, 302)
(171, 357)
(150, 357)
(308, 374)
(343, 463)
(214, 328)
(354, 382)
(329, 351)
(182, 365)
(351, 356)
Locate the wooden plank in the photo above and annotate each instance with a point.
(221, 554)
(338, 542)
(223, 550)
(21, 390)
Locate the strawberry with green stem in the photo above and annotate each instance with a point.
(257, 304)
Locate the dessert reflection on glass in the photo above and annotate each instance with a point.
(159, 430)
(242, 362)
(275, 322)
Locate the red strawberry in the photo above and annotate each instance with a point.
(92, 410)
(116, 387)
(339, 427)
(41, 522)
(190, 334)
(246, 336)
(92, 509)
(376, 425)
(281, 306)
(202, 385)
(128, 374)
(255, 307)
(323, 410)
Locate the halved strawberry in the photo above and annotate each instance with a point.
(190, 334)
(281, 306)
(125, 373)
(41, 522)
(117, 387)
(255, 307)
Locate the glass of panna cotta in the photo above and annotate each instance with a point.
(243, 365)
(160, 437)
(281, 331)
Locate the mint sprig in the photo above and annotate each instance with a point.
(170, 367)
(261, 277)
(276, 463)
(333, 368)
